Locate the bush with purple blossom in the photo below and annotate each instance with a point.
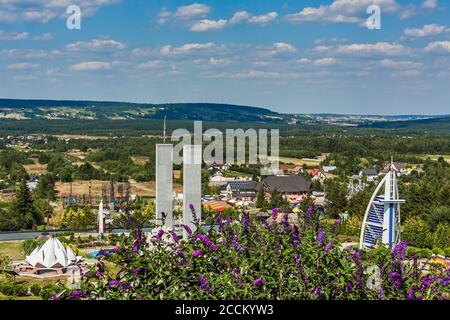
(250, 259)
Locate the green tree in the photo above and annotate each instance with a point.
(260, 198)
(417, 233)
(45, 188)
(23, 207)
(336, 196)
(441, 237)
(277, 200)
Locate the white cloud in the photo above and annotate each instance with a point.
(394, 64)
(96, 45)
(283, 47)
(184, 13)
(44, 37)
(407, 73)
(186, 48)
(13, 36)
(379, 48)
(263, 19)
(23, 66)
(29, 77)
(29, 53)
(239, 17)
(325, 62)
(429, 4)
(426, 31)
(438, 46)
(91, 66)
(194, 17)
(341, 11)
(194, 10)
(43, 11)
(208, 25)
(151, 64)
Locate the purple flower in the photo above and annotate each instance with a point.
(159, 234)
(204, 284)
(137, 271)
(180, 254)
(396, 279)
(258, 282)
(138, 241)
(228, 219)
(237, 246)
(284, 222)
(99, 274)
(207, 242)
(309, 212)
(381, 294)
(356, 256)
(328, 247)
(338, 221)
(320, 236)
(445, 281)
(295, 239)
(274, 213)
(412, 293)
(77, 295)
(175, 237)
(115, 283)
(349, 287)
(399, 250)
(318, 291)
(246, 221)
(427, 282)
(187, 228)
(197, 253)
(191, 207)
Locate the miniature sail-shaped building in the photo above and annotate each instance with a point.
(381, 223)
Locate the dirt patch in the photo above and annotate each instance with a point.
(141, 160)
(145, 189)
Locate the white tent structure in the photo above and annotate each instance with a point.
(381, 223)
(53, 254)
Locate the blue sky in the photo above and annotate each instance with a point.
(289, 56)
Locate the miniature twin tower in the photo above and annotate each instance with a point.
(192, 165)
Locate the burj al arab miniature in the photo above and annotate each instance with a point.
(381, 223)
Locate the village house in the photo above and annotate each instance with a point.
(242, 190)
(293, 185)
(399, 166)
(371, 174)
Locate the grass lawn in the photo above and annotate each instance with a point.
(12, 250)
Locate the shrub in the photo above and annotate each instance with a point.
(425, 253)
(447, 252)
(49, 291)
(441, 237)
(10, 289)
(35, 289)
(417, 233)
(412, 251)
(29, 245)
(438, 251)
(247, 259)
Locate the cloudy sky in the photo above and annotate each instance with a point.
(290, 56)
